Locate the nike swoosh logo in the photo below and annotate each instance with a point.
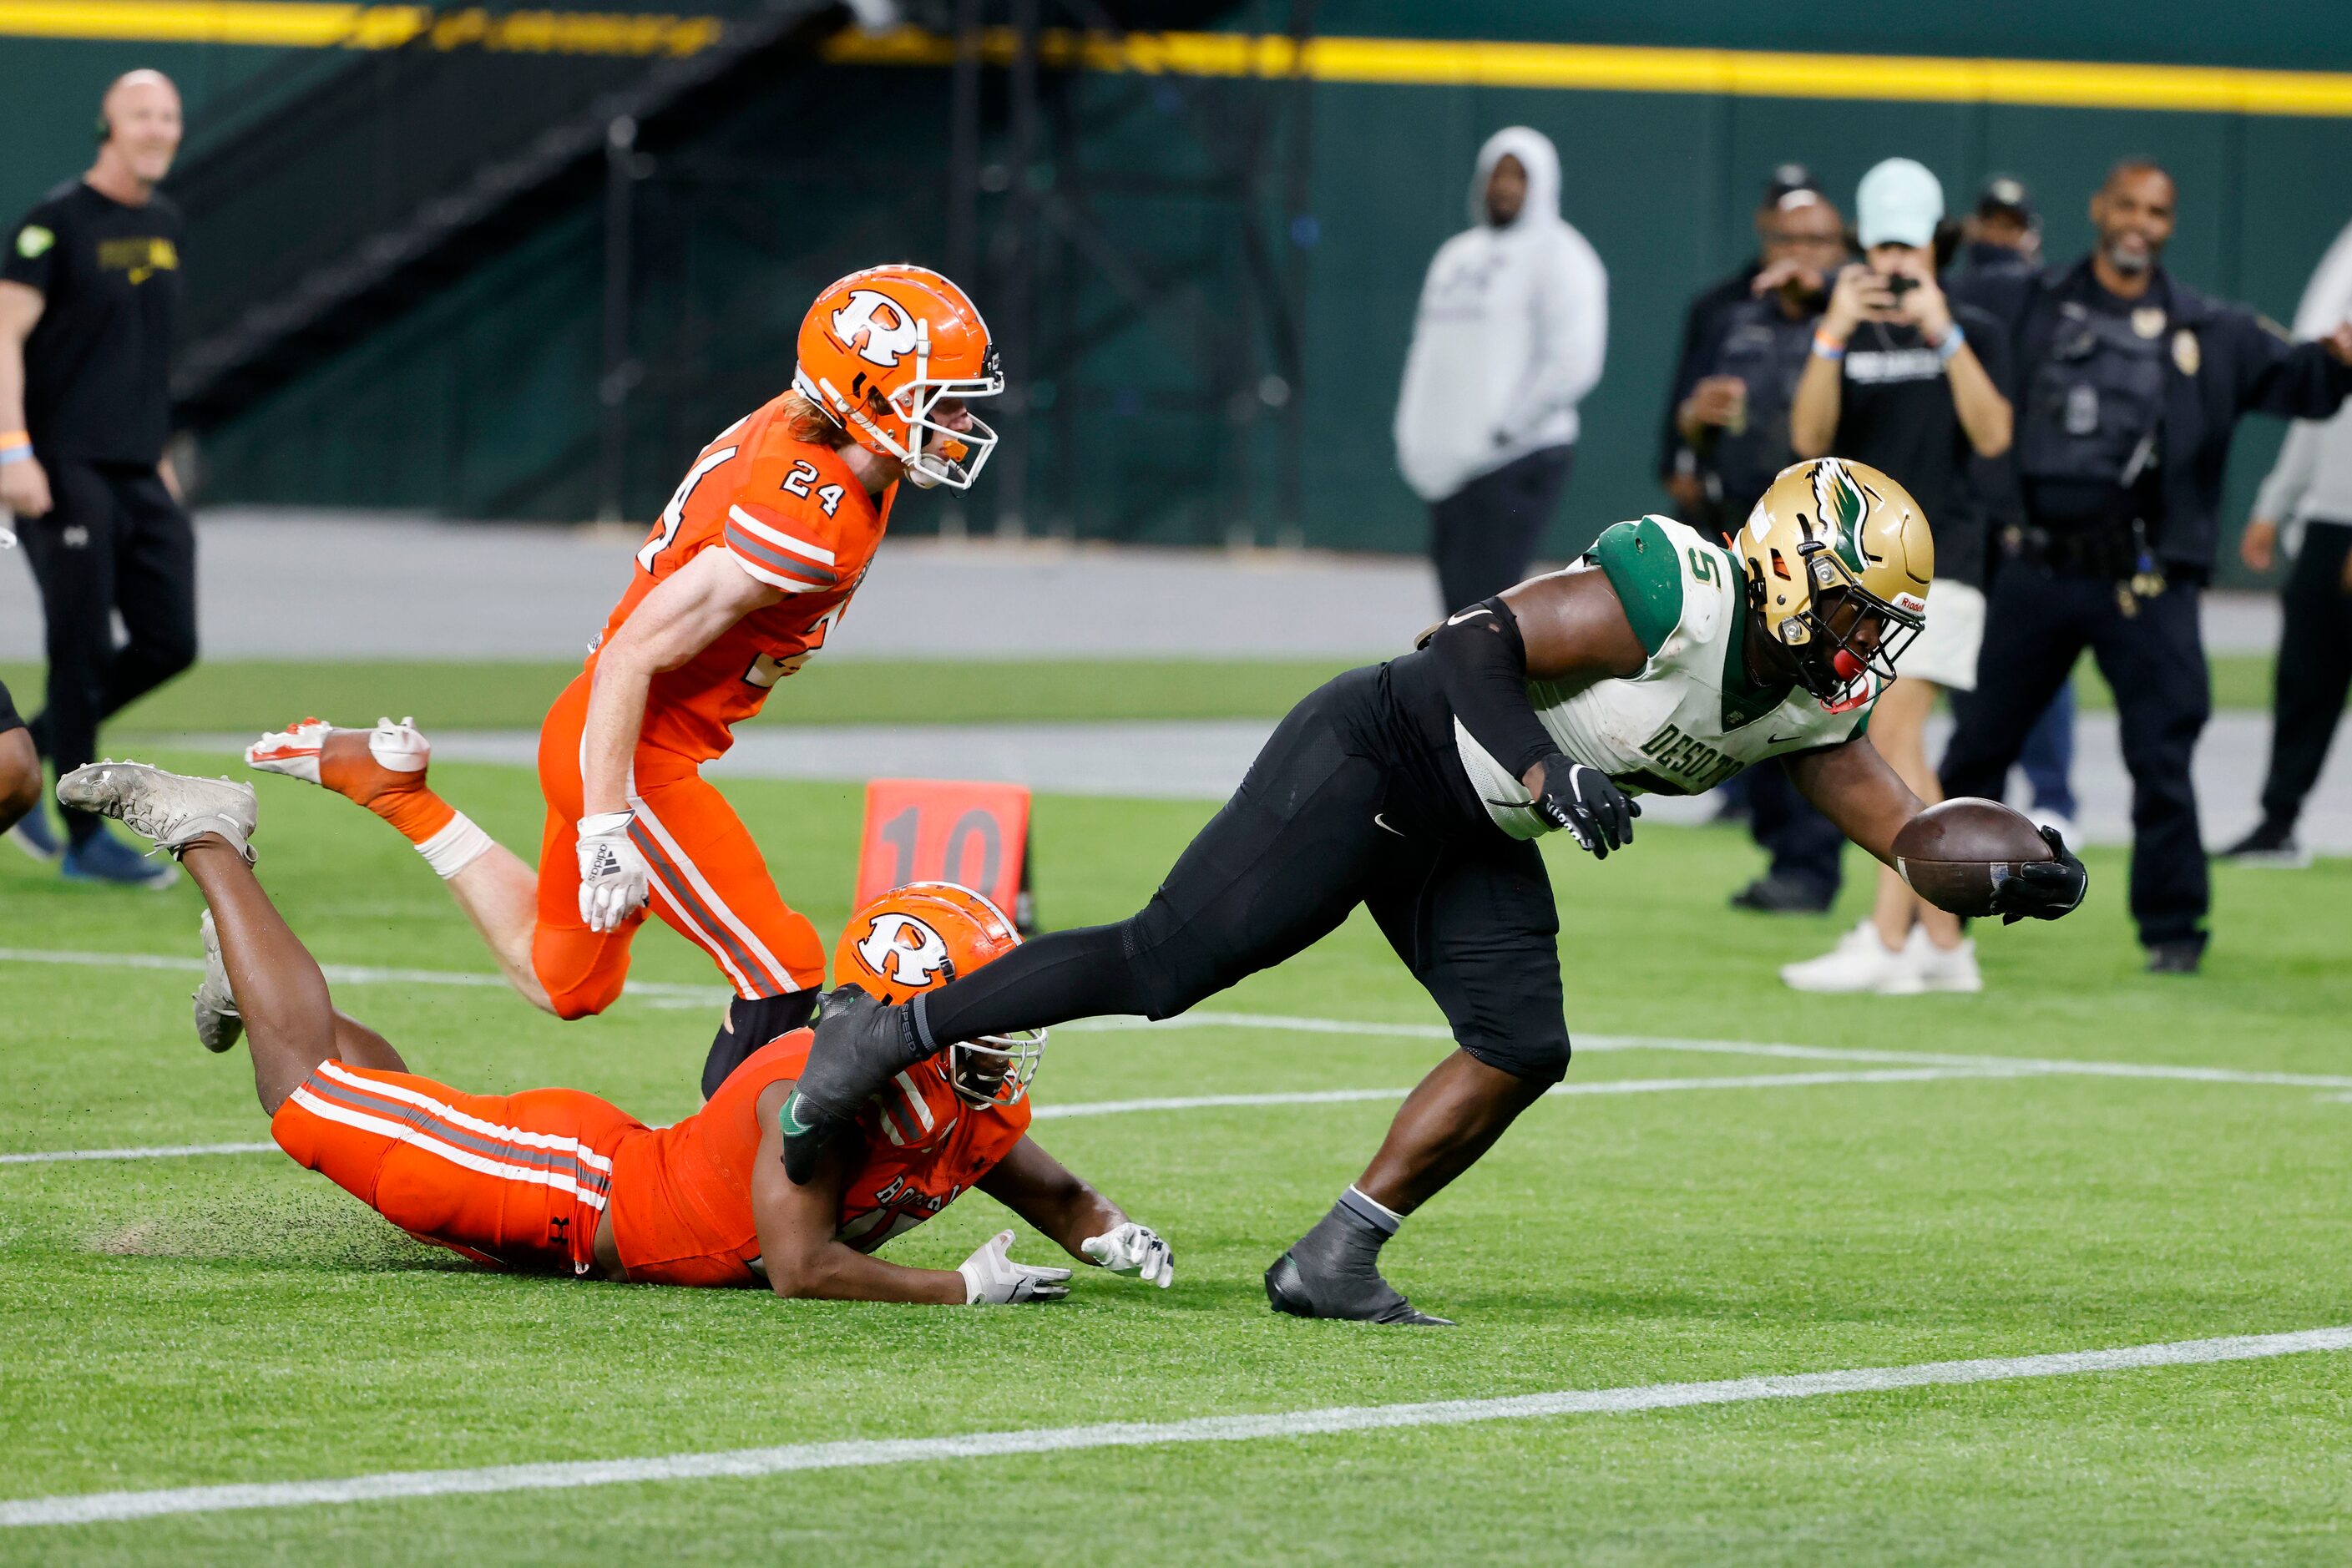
(1380, 821)
(1459, 616)
(1776, 740)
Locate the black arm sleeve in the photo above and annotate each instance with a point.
(1481, 663)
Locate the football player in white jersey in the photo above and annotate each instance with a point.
(1659, 662)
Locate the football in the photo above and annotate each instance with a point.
(1955, 854)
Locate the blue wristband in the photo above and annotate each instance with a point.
(18, 454)
(1950, 345)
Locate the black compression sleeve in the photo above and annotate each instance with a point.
(1482, 664)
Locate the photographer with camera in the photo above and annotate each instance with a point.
(1907, 381)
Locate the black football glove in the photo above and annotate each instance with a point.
(1586, 804)
(2043, 889)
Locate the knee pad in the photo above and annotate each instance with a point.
(587, 999)
(1538, 1058)
(1171, 966)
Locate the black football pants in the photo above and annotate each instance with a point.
(1324, 821)
(1484, 534)
(2037, 624)
(114, 540)
(2315, 669)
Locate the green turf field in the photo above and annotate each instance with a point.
(211, 1320)
(473, 696)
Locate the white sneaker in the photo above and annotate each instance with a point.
(1860, 961)
(219, 1025)
(172, 809)
(1928, 967)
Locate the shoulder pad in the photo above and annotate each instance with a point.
(1644, 564)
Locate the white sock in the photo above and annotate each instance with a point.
(455, 847)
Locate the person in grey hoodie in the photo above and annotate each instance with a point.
(1510, 334)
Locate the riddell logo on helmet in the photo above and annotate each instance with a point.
(882, 330)
(904, 950)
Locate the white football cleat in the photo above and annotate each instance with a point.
(172, 809)
(1928, 967)
(359, 764)
(1860, 961)
(219, 1025)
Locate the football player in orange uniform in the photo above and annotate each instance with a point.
(558, 1181)
(751, 565)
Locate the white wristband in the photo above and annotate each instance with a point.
(605, 822)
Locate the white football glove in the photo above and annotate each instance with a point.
(991, 1279)
(1134, 1249)
(613, 876)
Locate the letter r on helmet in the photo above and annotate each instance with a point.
(903, 948)
(881, 329)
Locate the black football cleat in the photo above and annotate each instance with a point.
(860, 1043)
(2179, 957)
(1784, 896)
(1359, 1299)
(2271, 845)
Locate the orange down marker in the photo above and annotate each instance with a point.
(946, 830)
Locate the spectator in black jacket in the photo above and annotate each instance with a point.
(1734, 426)
(1790, 189)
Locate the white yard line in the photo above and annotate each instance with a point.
(1601, 1086)
(155, 1152)
(1588, 1043)
(93, 1508)
(338, 973)
(1207, 1103)
(1201, 1018)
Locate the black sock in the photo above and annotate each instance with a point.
(751, 1023)
(1342, 1255)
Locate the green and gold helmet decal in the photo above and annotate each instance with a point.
(1839, 558)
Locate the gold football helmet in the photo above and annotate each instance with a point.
(1838, 559)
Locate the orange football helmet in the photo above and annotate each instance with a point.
(918, 937)
(882, 349)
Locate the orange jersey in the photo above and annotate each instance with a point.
(681, 1197)
(793, 516)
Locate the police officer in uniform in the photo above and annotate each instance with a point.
(89, 285)
(2002, 240)
(2130, 385)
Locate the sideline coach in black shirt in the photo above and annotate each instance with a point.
(2129, 386)
(87, 291)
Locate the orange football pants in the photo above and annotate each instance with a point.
(515, 1180)
(711, 884)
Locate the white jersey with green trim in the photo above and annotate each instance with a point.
(1691, 719)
